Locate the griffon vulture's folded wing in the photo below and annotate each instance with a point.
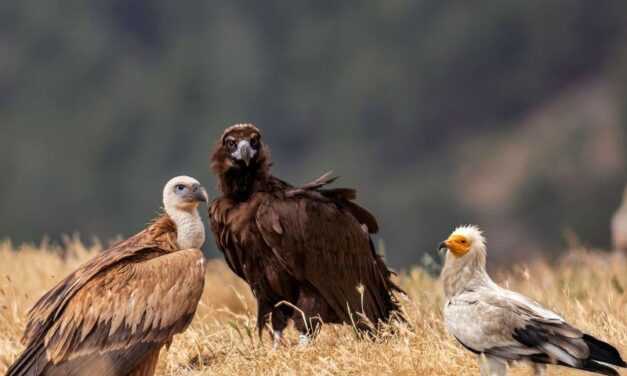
(107, 321)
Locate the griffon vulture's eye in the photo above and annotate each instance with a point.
(180, 187)
(254, 142)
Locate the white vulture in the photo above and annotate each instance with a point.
(502, 326)
(112, 316)
(619, 226)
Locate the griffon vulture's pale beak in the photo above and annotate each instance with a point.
(197, 194)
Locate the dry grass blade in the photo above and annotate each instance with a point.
(588, 289)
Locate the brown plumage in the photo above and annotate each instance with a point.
(112, 316)
(309, 246)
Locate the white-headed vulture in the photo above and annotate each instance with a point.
(112, 316)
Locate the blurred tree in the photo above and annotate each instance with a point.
(103, 101)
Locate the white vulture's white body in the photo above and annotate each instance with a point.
(502, 326)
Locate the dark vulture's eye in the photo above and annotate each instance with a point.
(230, 144)
(180, 187)
(254, 143)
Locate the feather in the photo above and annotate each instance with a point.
(301, 245)
(603, 352)
(89, 324)
(491, 320)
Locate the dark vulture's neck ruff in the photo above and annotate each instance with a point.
(240, 183)
(237, 181)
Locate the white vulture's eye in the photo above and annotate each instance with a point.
(180, 187)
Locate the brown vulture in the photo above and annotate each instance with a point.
(112, 316)
(307, 247)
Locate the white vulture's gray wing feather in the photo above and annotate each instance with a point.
(495, 321)
(508, 325)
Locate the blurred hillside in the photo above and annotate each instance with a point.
(509, 114)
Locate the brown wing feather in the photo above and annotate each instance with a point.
(132, 302)
(342, 196)
(114, 311)
(160, 234)
(218, 216)
(321, 242)
(283, 240)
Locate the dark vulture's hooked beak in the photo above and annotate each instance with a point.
(244, 152)
(443, 247)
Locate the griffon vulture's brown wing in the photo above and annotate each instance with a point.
(320, 241)
(112, 321)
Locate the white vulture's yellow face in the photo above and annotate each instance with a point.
(459, 245)
(463, 240)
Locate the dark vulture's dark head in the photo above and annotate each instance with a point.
(240, 158)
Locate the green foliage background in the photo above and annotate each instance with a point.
(409, 101)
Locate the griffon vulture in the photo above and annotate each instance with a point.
(112, 316)
(502, 326)
(306, 247)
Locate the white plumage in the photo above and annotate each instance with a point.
(502, 326)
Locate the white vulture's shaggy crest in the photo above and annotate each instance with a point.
(112, 316)
(502, 326)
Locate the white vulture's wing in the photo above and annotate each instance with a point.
(508, 325)
(479, 325)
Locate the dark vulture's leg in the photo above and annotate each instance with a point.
(280, 318)
(313, 312)
(263, 314)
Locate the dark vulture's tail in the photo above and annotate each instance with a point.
(380, 294)
(392, 306)
(380, 303)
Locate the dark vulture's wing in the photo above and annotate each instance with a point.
(218, 218)
(107, 320)
(320, 238)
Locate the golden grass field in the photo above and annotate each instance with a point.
(589, 289)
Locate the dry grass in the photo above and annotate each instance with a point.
(589, 289)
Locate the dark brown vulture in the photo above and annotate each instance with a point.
(112, 316)
(308, 246)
